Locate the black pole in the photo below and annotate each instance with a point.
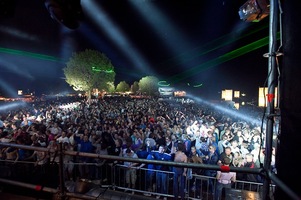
(270, 96)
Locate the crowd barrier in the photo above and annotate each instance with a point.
(111, 176)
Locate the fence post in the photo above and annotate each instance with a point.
(61, 173)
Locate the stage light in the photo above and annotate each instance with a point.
(254, 10)
(66, 12)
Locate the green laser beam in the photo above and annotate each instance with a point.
(95, 69)
(196, 86)
(163, 84)
(221, 59)
(49, 58)
(211, 46)
(30, 54)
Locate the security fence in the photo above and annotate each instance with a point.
(107, 175)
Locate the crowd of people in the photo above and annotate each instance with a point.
(147, 128)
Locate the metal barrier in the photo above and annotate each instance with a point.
(112, 176)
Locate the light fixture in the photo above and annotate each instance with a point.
(264, 98)
(227, 95)
(254, 10)
(66, 12)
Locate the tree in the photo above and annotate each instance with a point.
(149, 85)
(135, 87)
(89, 69)
(111, 87)
(122, 87)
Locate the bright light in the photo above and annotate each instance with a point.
(99, 15)
(262, 97)
(163, 27)
(236, 105)
(11, 105)
(229, 111)
(227, 95)
(236, 94)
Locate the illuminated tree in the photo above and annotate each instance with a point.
(149, 85)
(135, 87)
(111, 87)
(122, 87)
(89, 69)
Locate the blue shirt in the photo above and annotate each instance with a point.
(162, 157)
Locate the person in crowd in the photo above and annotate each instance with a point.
(196, 158)
(161, 170)
(11, 155)
(68, 162)
(238, 160)
(227, 153)
(244, 148)
(212, 141)
(84, 167)
(150, 175)
(41, 160)
(221, 144)
(249, 163)
(115, 115)
(234, 146)
(168, 144)
(63, 138)
(224, 179)
(229, 134)
(160, 138)
(179, 172)
(55, 129)
(214, 130)
(102, 172)
(131, 169)
(211, 159)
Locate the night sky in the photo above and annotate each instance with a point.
(184, 42)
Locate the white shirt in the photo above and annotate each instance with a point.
(63, 139)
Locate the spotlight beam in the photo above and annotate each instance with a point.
(11, 106)
(234, 113)
(100, 17)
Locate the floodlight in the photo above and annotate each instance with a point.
(66, 12)
(254, 10)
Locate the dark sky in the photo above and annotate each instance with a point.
(185, 42)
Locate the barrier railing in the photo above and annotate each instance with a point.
(197, 187)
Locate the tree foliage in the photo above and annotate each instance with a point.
(122, 87)
(89, 69)
(111, 87)
(149, 85)
(135, 87)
